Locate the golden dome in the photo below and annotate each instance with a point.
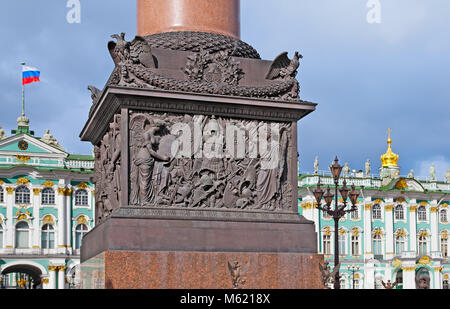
(389, 159)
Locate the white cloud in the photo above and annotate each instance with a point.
(441, 164)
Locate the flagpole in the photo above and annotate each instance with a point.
(23, 94)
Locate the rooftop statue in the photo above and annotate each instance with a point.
(346, 169)
(447, 176)
(2, 134)
(411, 174)
(316, 166)
(367, 166)
(432, 173)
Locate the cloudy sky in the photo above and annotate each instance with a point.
(366, 77)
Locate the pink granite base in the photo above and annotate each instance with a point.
(201, 270)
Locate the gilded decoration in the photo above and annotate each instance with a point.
(52, 268)
(10, 190)
(82, 185)
(48, 219)
(389, 207)
(446, 276)
(378, 201)
(401, 233)
(438, 269)
(326, 230)
(342, 232)
(396, 263)
(23, 181)
(423, 234)
(45, 280)
(400, 200)
(412, 208)
(444, 235)
(36, 191)
(22, 158)
(424, 260)
(445, 205)
(22, 217)
(357, 276)
(1, 182)
(48, 184)
(410, 268)
(64, 191)
(368, 206)
(389, 159)
(81, 220)
(433, 209)
(355, 231)
(378, 232)
(423, 203)
(401, 184)
(306, 206)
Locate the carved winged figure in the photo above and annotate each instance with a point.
(388, 285)
(137, 51)
(328, 275)
(283, 67)
(237, 272)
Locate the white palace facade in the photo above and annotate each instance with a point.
(46, 206)
(399, 232)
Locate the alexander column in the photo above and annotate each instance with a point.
(196, 158)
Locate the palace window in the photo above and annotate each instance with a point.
(399, 213)
(443, 215)
(341, 242)
(80, 231)
(377, 242)
(2, 195)
(445, 285)
(355, 245)
(48, 196)
(327, 244)
(22, 232)
(422, 213)
(325, 214)
(81, 198)
(376, 212)
(399, 244)
(354, 214)
(48, 237)
(444, 246)
(22, 195)
(356, 284)
(342, 284)
(422, 245)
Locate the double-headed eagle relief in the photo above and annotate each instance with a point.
(196, 63)
(198, 161)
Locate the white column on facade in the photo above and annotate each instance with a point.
(61, 200)
(412, 229)
(389, 230)
(369, 275)
(368, 254)
(68, 219)
(36, 228)
(409, 276)
(52, 277)
(9, 240)
(61, 277)
(45, 282)
(437, 278)
(434, 227)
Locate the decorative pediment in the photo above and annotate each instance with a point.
(406, 184)
(24, 145)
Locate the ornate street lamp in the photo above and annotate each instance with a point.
(353, 268)
(339, 211)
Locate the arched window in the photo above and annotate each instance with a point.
(80, 231)
(445, 285)
(422, 245)
(443, 215)
(2, 195)
(48, 237)
(22, 231)
(376, 212)
(327, 244)
(399, 213)
(341, 242)
(444, 246)
(1, 236)
(355, 245)
(48, 196)
(342, 284)
(81, 198)
(22, 195)
(355, 214)
(399, 244)
(377, 246)
(399, 279)
(422, 213)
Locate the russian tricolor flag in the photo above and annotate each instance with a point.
(30, 75)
